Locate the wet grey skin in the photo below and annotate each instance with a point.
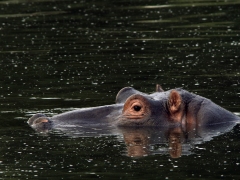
(175, 107)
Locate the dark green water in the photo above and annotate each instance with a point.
(59, 55)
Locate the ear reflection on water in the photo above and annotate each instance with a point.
(143, 141)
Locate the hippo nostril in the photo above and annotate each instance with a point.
(137, 108)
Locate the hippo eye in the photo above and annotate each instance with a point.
(137, 108)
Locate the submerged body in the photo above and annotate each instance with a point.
(172, 108)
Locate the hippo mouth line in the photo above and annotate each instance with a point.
(134, 116)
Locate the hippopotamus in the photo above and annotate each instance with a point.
(132, 108)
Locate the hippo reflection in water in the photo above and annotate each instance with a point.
(176, 115)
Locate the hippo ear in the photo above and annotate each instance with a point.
(174, 102)
(159, 88)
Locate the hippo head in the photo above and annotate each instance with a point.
(145, 110)
(172, 108)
